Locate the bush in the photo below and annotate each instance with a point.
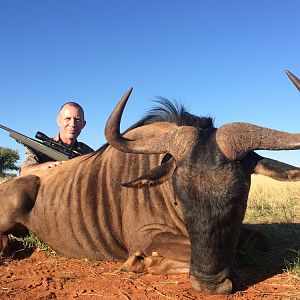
(8, 160)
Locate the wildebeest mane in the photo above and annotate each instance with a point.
(171, 112)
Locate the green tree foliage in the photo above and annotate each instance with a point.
(8, 160)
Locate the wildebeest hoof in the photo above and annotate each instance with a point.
(4, 245)
(139, 263)
(135, 263)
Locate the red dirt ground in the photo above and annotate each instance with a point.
(46, 276)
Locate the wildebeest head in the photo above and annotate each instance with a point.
(210, 170)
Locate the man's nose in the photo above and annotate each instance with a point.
(72, 122)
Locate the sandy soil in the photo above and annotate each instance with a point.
(43, 275)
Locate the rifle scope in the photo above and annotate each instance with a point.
(43, 137)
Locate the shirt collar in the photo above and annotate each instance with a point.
(58, 139)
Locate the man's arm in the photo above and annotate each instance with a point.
(24, 170)
(32, 163)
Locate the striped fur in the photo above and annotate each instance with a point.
(188, 222)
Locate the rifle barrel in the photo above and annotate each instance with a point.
(35, 145)
(6, 128)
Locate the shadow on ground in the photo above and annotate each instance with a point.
(254, 266)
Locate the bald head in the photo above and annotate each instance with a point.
(72, 104)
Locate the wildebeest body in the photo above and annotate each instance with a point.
(172, 198)
(88, 214)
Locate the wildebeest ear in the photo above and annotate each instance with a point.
(155, 176)
(277, 170)
(23, 194)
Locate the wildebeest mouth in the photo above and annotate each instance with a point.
(221, 284)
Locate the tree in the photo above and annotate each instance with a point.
(8, 160)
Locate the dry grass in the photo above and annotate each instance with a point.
(272, 201)
(274, 208)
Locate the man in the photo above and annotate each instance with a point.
(70, 121)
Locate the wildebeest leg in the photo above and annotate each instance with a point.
(167, 254)
(3, 245)
(154, 264)
(17, 198)
(255, 239)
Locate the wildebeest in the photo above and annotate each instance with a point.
(168, 196)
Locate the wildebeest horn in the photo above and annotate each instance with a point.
(237, 139)
(159, 137)
(294, 79)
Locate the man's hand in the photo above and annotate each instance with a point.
(49, 165)
(44, 166)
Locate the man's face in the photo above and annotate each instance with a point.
(70, 122)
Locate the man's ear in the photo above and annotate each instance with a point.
(84, 122)
(58, 120)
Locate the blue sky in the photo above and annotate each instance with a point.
(225, 59)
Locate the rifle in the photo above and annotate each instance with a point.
(53, 149)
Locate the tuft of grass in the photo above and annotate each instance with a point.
(293, 267)
(272, 201)
(30, 241)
